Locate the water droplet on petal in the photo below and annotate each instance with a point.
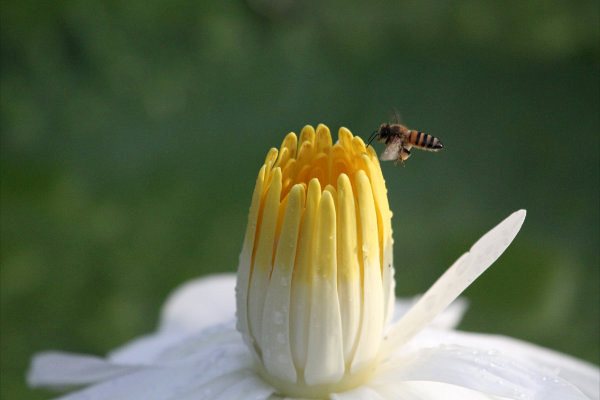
(281, 338)
(278, 318)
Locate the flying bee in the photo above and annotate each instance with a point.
(399, 140)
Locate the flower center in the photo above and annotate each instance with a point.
(315, 279)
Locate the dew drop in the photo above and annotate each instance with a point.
(278, 318)
(281, 338)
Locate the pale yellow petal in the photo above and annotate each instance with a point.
(261, 271)
(373, 312)
(325, 358)
(245, 263)
(349, 276)
(302, 282)
(277, 357)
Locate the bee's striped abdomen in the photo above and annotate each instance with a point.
(424, 141)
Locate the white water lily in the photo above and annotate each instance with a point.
(315, 308)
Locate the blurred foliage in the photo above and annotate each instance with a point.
(131, 133)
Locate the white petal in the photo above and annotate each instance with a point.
(192, 307)
(581, 374)
(151, 384)
(360, 393)
(199, 303)
(151, 349)
(238, 385)
(212, 389)
(222, 340)
(179, 377)
(402, 307)
(456, 279)
(144, 350)
(63, 370)
(451, 316)
(487, 371)
(249, 388)
(447, 319)
(421, 390)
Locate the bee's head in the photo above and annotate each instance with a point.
(380, 134)
(384, 131)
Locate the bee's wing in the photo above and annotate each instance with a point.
(391, 150)
(395, 116)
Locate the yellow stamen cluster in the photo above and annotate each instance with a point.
(315, 279)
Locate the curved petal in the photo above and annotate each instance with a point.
(487, 371)
(237, 385)
(447, 319)
(221, 341)
(192, 307)
(584, 375)
(185, 370)
(456, 279)
(199, 303)
(145, 350)
(155, 348)
(420, 390)
(360, 393)
(195, 365)
(451, 316)
(250, 387)
(58, 370)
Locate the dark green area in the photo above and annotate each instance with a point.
(131, 134)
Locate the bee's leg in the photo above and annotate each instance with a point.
(403, 155)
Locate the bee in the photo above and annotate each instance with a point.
(399, 140)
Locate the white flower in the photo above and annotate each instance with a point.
(314, 304)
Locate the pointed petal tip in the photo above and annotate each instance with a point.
(516, 220)
(458, 277)
(520, 214)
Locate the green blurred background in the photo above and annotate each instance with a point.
(132, 133)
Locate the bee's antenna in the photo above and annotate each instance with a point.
(372, 137)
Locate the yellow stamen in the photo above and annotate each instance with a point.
(315, 281)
